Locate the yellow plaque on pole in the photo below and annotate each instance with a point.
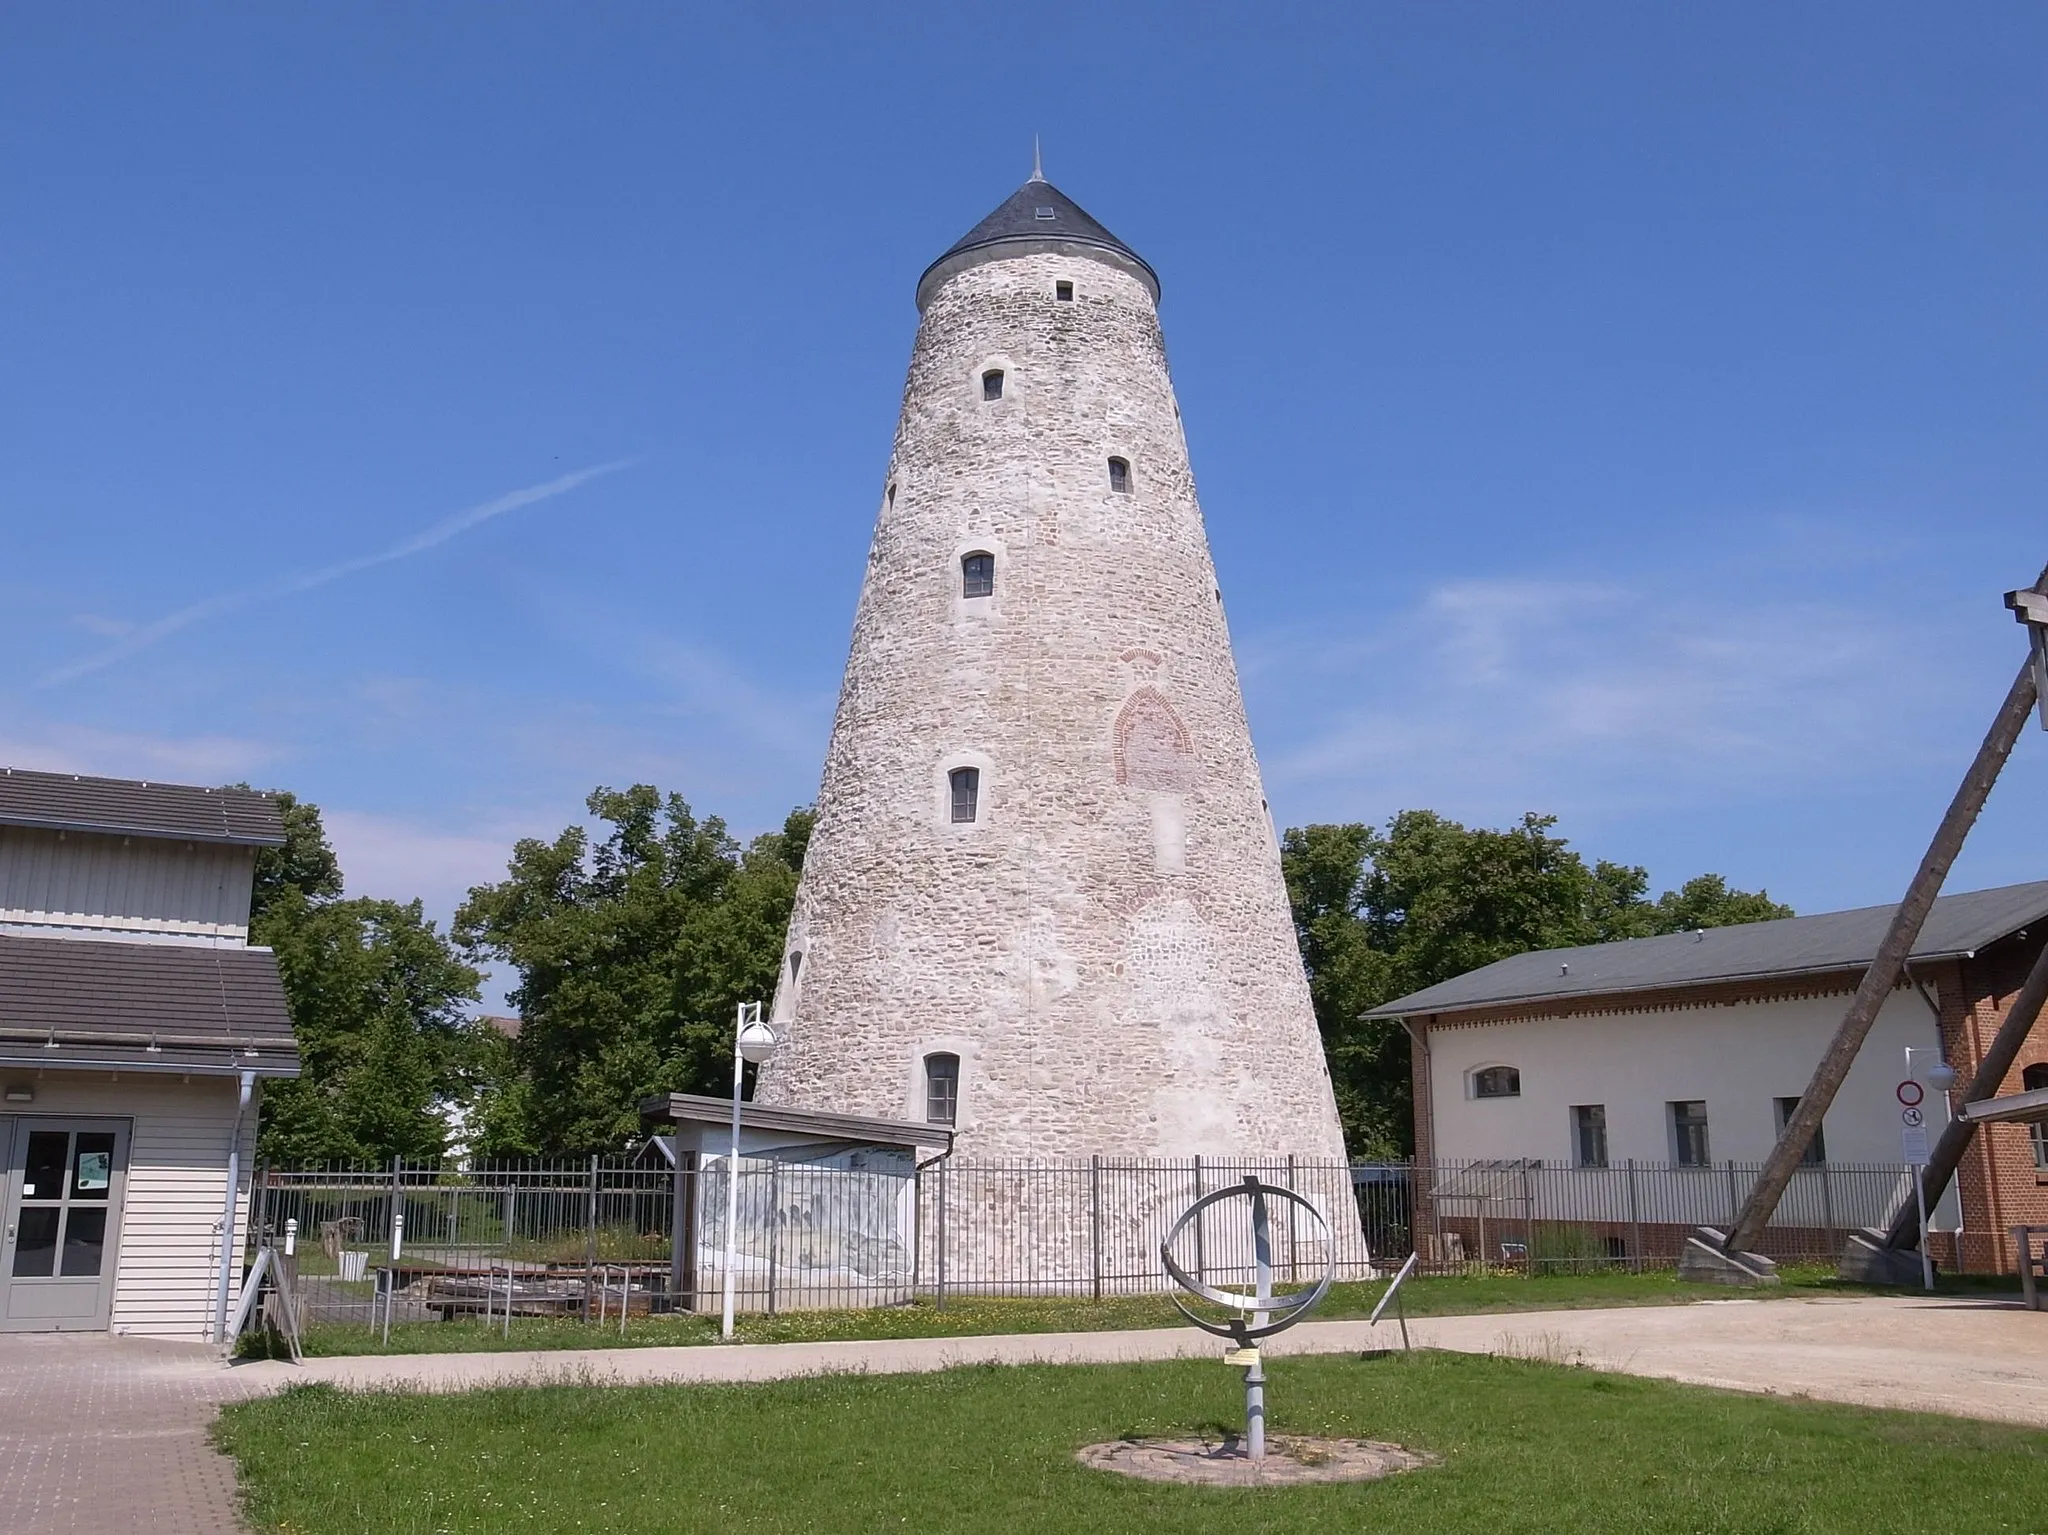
(1247, 1357)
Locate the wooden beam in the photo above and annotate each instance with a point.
(1885, 970)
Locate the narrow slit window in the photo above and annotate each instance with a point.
(1589, 1134)
(1689, 1134)
(1064, 292)
(941, 1088)
(1120, 476)
(992, 384)
(978, 574)
(966, 786)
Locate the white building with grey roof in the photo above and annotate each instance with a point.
(1685, 1053)
(137, 1026)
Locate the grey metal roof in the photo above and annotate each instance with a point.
(1038, 215)
(130, 807)
(71, 1003)
(1793, 946)
(694, 1108)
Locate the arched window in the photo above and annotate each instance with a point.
(978, 574)
(2032, 1080)
(1496, 1082)
(1120, 476)
(992, 384)
(941, 1088)
(966, 786)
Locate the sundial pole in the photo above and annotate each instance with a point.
(1262, 1295)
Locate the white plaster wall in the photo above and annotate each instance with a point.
(1118, 976)
(1738, 1060)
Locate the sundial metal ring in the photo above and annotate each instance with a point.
(1261, 1312)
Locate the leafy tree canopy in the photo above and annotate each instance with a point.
(376, 998)
(1382, 913)
(631, 951)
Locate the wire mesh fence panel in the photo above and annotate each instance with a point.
(596, 1236)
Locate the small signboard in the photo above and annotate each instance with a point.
(1246, 1357)
(1913, 1145)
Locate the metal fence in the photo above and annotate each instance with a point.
(595, 1238)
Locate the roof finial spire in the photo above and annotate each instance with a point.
(1037, 167)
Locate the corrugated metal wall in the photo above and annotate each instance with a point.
(137, 884)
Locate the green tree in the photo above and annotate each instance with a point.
(1380, 914)
(631, 953)
(376, 997)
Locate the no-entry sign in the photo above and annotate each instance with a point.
(1910, 1093)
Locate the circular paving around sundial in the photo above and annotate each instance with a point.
(1292, 1460)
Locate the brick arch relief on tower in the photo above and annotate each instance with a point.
(1154, 758)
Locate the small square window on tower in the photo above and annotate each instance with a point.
(1120, 476)
(992, 384)
(966, 787)
(1047, 213)
(978, 574)
(1064, 292)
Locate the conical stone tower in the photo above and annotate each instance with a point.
(1044, 894)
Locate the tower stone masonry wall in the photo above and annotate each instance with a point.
(1107, 947)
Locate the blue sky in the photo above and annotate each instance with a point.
(1629, 412)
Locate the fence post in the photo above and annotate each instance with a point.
(774, 1228)
(1635, 1217)
(1734, 1199)
(1827, 1210)
(1095, 1221)
(940, 1256)
(1291, 1233)
(1201, 1250)
(397, 1209)
(589, 1234)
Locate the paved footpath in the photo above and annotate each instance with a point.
(109, 1433)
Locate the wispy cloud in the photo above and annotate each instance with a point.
(435, 534)
(1494, 696)
(61, 748)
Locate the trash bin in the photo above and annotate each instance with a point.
(353, 1265)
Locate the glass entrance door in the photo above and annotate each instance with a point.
(63, 1220)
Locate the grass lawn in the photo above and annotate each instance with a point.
(1525, 1446)
(961, 1318)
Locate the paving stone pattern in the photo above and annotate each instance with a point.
(101, 1433)
(1107, 946)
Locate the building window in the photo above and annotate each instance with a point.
(1816, 1149)
(978, 574)
(2032, 1080)
(1120, 476)
(1064, 292)
(1689, 1134)
(966, 784)
(1589, 1134)
(941, 1088)
(1496, 1082)
(1045, 213)
(992, 384)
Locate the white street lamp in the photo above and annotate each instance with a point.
(1941, 1077)
(752, 1041)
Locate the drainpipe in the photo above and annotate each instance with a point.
(227, 1213)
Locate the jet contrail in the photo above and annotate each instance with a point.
(427, 538)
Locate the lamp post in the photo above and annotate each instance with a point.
(753, 1041)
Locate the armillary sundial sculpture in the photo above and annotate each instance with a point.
(1261, 1312)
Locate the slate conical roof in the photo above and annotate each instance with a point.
(1037, 216)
